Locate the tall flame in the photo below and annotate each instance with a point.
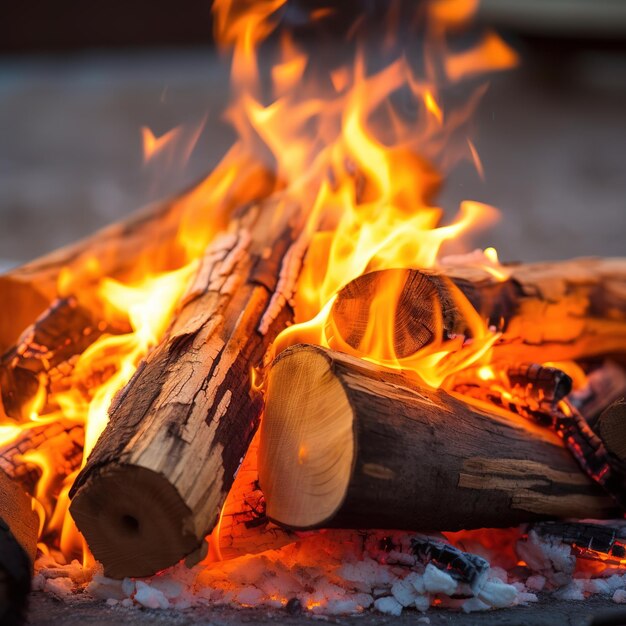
(360, 150)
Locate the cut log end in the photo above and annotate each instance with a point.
(310, 436)
(134, 521)
(423, 306)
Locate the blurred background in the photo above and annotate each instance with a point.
(78, 81)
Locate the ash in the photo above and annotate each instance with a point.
(349, 572)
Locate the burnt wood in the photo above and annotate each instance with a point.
(45, 353)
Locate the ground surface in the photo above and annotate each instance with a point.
(46, 611)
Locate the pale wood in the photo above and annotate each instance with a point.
(156, 481)
(347, 444)
(546, 311)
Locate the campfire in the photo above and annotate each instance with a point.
(288, 388)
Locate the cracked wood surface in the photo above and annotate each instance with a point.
(154, 484)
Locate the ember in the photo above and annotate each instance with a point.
(278, 391)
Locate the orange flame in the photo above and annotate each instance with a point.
(363, 173)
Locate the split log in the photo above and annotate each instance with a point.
(146, 240)
(155, 483)
(18, 547)
(347, 444)
(546, 311)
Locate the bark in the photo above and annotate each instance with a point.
(43, 358)
(18, 546)
(347, 444)
(156, 481)
(546, 311)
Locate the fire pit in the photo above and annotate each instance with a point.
(277, 391)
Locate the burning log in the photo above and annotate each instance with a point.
(155, 483)
(45, 351)
(345, 443)
(244, 527)
(149, 238)
(62, 443)
(18, 546)
(546, 311)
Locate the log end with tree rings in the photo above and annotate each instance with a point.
(417, 307)
(134, 521)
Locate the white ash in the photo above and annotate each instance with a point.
(348, 572)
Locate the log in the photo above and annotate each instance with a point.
(44, 356)
(62, 443)
(611, 428)
(155, 483)
(604, 385)
(146, 240)
(18, 547)
(546, 311)
(348, 444)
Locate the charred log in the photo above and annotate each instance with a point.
(43, 357)
(61, 442)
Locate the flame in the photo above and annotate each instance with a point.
(364, 171)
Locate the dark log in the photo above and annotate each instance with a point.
(611, 428)
(61, 442)
(43, 358)
(155, 483)
(244, 527)
(345, 443)
(545, 311)
(18, 547)
(604, 385)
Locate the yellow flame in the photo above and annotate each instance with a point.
(365, 178)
